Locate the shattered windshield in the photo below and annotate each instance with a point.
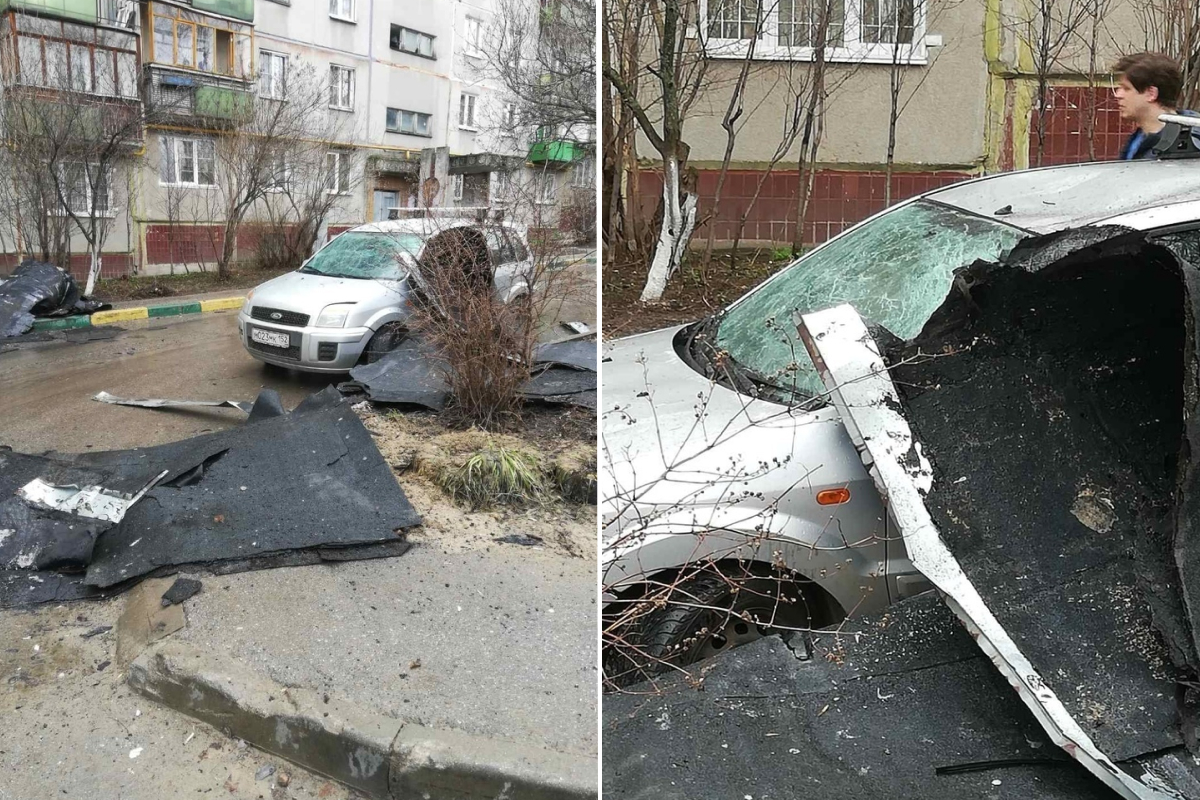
(895, 271)
(380, 256)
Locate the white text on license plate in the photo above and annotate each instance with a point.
(271, 338)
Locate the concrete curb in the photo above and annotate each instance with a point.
(383, 757)
(140, 312)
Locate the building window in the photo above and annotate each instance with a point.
(474, 37)
(342, 9)
(85, 189)
(341, 87)
(188, 161)
(407, 40)
(189, 44)
(547, 191)
(410, 122)
(583, 173)
(880, 31)
(272, 74)
(510, 115)
(456, 187)
(337, 176)
(81, 68)
(466, 111)
(279, 174)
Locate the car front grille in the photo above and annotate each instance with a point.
(292, 319)
(286, 353)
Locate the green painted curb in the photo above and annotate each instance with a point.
(175, 310)
(65, 323)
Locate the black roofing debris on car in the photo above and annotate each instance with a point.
(414, 374)
(898, 704)
(293, 488)
(37, 289)
(1060, 416)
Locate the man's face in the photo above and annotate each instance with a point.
(1131, 102)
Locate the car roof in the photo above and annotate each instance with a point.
(427, 226)
(1140, 194)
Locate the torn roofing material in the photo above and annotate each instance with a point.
(1051, 420)
(579, 353)
(876, 710)
(291, 488)
(39, 289)
(105, 397)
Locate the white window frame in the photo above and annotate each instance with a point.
(62, 210)
(583, 173)
(853, 49)
(456, 186)
(468, 110)
(473, 36)
(510, 115)
(177, 144)
(416, 115)
(336, 73)
(267, 79)
(339, 159)
(281, 167)
(337, 10)
(421, 37)
(547, 188)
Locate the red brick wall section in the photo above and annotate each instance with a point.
(1068, 110)
(334, 230)
(183, 244)
(839, 199)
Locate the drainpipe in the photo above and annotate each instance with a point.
(370, 85)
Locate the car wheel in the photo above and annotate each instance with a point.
(706, 614)
(385, 340)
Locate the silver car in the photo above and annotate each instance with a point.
(350, 300)
(733, 499)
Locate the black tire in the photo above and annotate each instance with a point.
(384, 341)
(705, 615)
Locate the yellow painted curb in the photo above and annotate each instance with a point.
(120, 315)
(223, 304)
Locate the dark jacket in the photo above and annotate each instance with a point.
(1140, 145)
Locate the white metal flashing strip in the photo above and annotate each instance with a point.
(849, 362)
(92, 502)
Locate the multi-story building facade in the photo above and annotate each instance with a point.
(420, 119)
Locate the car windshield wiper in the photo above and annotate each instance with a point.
(308, 271)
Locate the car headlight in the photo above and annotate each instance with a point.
(334, 316)
(249, 297)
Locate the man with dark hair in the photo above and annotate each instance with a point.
(1148, 85)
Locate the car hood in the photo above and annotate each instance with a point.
(660, 415)
(308, 294)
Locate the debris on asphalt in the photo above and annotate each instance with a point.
(94, 632)
(577, 327)
(414, 374)
(284, 779)
(522, 539)
(292, 488)
(182, 589)
(105, 397)
(38, 289)
(264, 772)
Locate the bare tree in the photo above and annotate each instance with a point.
(677, 63)
(1173, 27)
(826, 34)
(279, 131)
(66, 153)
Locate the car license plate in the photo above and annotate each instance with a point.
(270, 337)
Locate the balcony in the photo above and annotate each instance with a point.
(192, 97)
(119, 13)
(555, 152)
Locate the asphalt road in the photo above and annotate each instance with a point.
(46, 388)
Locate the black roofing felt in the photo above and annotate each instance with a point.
(37, 289)
(288, 489)
(860, 726)
(1053, 417)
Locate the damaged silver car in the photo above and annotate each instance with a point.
(350, 301)
(730, 483)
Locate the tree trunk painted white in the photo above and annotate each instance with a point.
(679, 219)
(93, 271)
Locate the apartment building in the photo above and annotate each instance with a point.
(420, 118)
(967, 77)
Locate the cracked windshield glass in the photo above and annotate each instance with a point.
(365, 255)
(895, 271)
